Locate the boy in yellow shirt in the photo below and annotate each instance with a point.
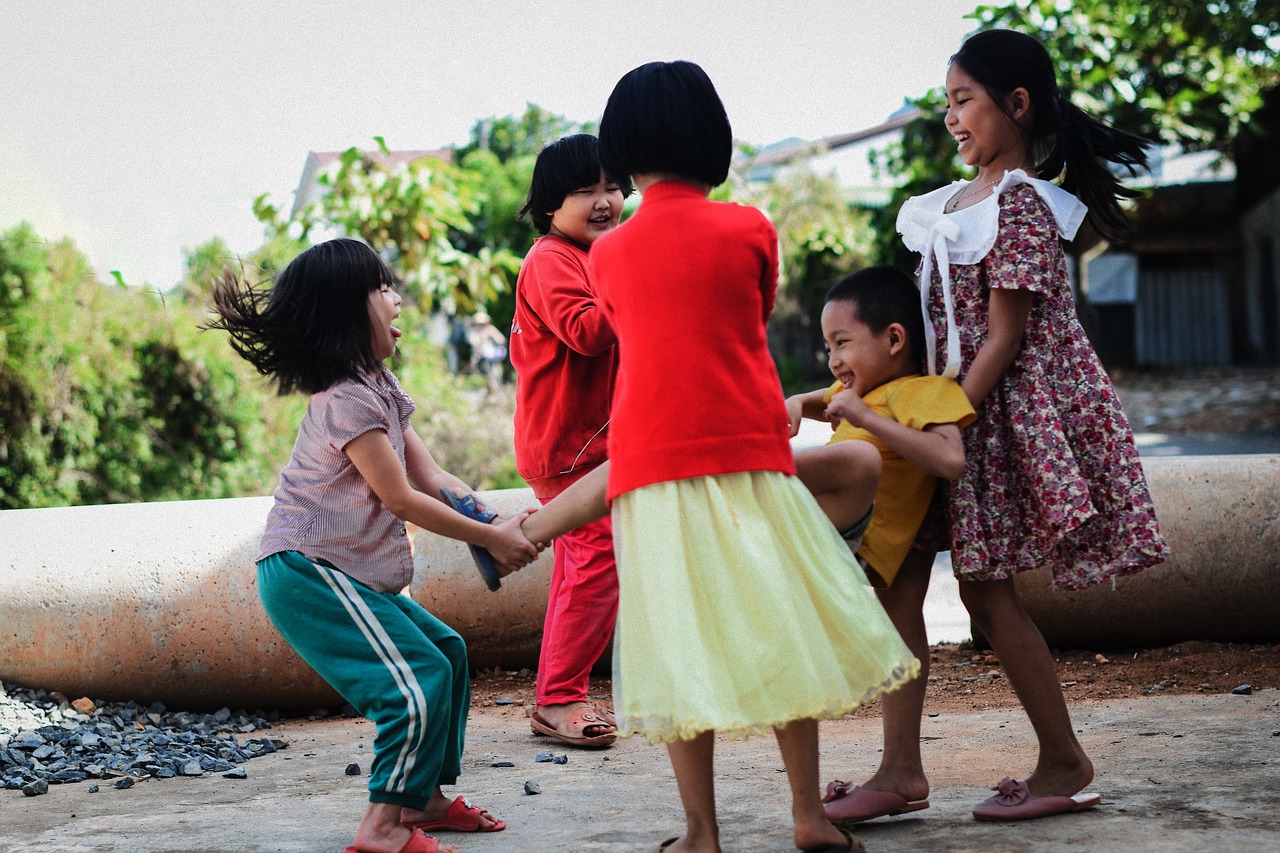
(874, 334)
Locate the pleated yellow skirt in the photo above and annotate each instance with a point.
(741, 609)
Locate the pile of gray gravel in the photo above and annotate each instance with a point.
(47, 740)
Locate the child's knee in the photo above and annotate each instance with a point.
(861, 459)
(454, 651)
(989, 602)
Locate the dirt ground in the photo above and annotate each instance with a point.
(962, 679)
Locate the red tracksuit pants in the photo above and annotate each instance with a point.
(581, 609)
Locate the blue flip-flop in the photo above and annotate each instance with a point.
(468, 506)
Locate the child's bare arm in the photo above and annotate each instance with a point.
(577, 505)
(937, 449)
(808, 405)
(377, 462)
(424, 472)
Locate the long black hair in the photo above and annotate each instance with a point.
(311, 328)
(1065, 141)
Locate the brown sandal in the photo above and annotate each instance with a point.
(573, 729)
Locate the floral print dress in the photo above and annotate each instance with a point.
(1053, 476)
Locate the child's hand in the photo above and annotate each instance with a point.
(509, 546)
(542, 546)
(795, 413)
(848, 406)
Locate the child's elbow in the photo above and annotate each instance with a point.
(953, 467)
(398, 504)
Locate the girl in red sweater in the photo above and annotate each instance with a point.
(742, 610)
(565, 356)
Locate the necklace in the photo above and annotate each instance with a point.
(972, 189)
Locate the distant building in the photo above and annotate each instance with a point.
(846, 155)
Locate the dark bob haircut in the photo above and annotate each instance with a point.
(565, 165)
(881, 296)
(311, 329)
(665, 117)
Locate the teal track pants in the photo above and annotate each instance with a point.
(398, 665)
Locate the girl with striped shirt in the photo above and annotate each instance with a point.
(335, 555)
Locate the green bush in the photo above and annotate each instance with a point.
(111, 394)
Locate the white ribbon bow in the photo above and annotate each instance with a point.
(941, 230)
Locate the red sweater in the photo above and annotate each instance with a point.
(688, 284)
(565, 358)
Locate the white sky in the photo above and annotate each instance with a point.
(142, 129)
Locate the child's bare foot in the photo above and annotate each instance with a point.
(684, 844)
(1061, 780)
(824, 836)
(454, 814)
(380, 831)
(911, 786)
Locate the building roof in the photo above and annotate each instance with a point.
(769, 159)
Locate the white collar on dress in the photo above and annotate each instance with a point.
(965, 237)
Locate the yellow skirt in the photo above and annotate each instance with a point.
(741, 609)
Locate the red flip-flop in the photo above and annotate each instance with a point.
(1013, 800)
(461, 816)
(417, 843)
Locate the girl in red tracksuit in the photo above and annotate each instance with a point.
(565, 356)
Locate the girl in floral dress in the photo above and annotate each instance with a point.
(1053, 476)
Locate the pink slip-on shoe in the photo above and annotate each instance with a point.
(847, 803)
(1014, 801)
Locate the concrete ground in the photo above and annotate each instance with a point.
(1193, 773)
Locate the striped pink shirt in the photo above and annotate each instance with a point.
(323, 506)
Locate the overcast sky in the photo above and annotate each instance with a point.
(143, 129)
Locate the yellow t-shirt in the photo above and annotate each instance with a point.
(905, 490)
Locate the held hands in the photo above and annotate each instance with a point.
(509, 546)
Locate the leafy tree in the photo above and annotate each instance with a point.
(205, 265)
(510, 137)
(107, 394)
(503, 186)
(822, 238)
(409, 213)
(1186, 72)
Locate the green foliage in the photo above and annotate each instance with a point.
(1186, 72)
(503, 186)
(408, 212)
(109, 394)
(822, 237)
(205, 265)
(923, 159)
(511, 137)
